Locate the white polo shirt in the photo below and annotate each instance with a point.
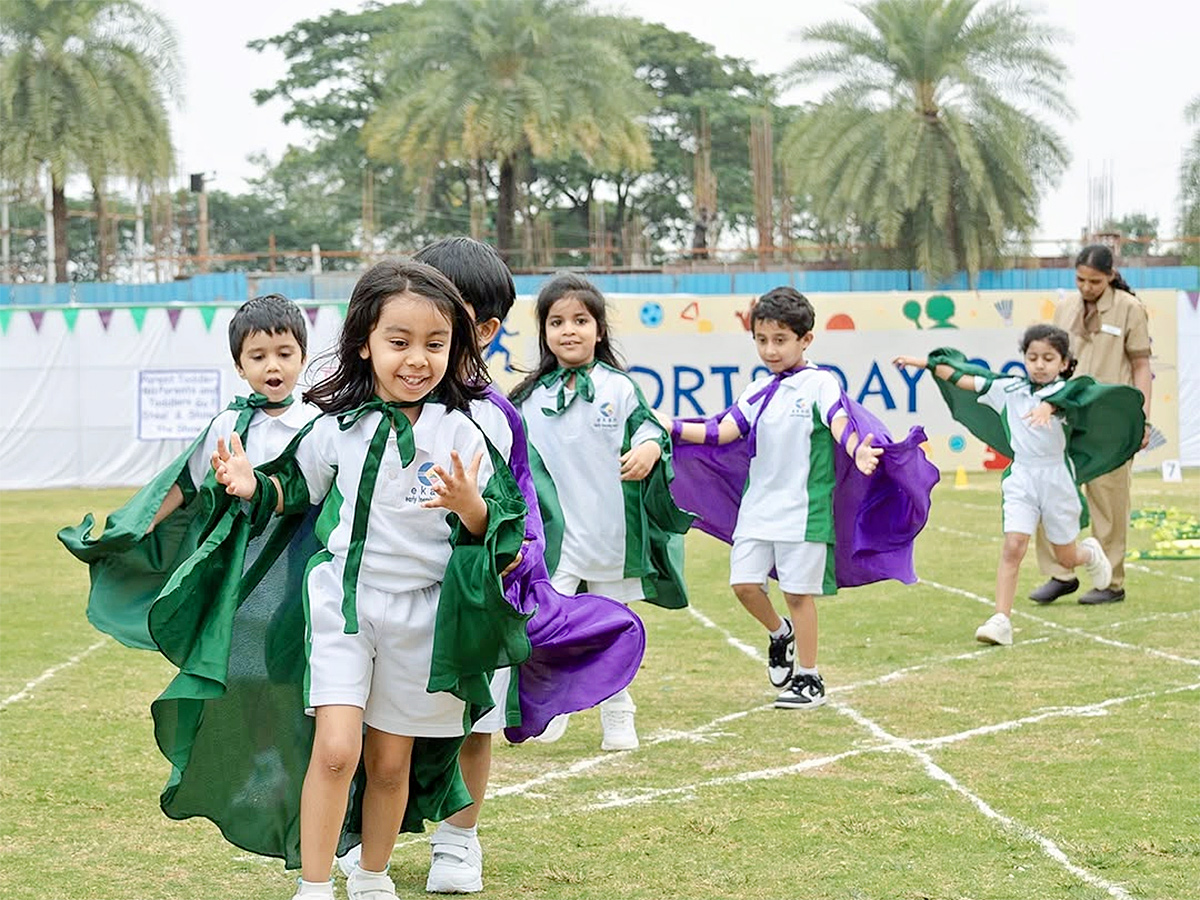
(789, 492)
(581, 449)
(407, 546)
(1013, 398)
(492, 421)
(266, 437)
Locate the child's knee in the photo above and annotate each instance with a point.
(1013, 550)
(387, 771)
(336, 755)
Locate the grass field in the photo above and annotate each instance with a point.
(1066, 766)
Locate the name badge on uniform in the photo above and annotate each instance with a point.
(1114, 330)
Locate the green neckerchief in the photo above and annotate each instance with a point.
(392, 418)
(247, 406)
(583, 386)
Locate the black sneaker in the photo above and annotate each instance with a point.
(1053, 589)
(805, 692)
(781, 657)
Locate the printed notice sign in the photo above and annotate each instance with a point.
(176, 404)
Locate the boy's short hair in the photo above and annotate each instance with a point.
(271, 314)
(478, 272)
(787, 306)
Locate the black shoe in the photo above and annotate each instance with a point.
(1102, 595)
(805, 692)
(1053, 589)
(781, 657)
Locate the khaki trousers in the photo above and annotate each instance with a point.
(1109, 505)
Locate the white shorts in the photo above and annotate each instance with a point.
(625, 590)
(1046, 493)
(494, 720)
(803, 567)
(384, 668)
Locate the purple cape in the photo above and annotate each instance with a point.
(875, 517)
(585, 647)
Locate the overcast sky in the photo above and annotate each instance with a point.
(1134, 66)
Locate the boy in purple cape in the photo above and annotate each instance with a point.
(580, 650)
(767, 475)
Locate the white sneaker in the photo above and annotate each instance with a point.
(996, 630)
(456, 866)
(616, 722)
(317, 891)
(1099, 569)
(363, 885)
(556, 729)
(349, 862)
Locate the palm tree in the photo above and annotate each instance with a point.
(1189, 184)
(934, 131)
(484, 82)
(84, 88)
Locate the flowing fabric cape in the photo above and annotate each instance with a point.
(876, 518)
(1105, 423)
(655, 534)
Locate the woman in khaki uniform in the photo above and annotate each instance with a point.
(1110, 338)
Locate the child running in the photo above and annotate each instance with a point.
(1042, 422)
(793, 420)
(137, 552)
(594, 444)
(393, 454)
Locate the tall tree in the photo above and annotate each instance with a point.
(488, 83)
(84, 87)
(935, 127)
(1189, 187)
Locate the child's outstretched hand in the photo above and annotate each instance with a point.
(458, 491)
(233, 468)
(1040, 415)
(637, 463)
(866, 457)
(910, 362)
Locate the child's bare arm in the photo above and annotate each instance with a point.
(171, 502)
(940, 371)
(862, 451)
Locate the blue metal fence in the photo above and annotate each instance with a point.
(234, 286)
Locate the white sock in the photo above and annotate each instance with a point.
(315, 888)
(801, 670)
(447, 828)
(784, 629)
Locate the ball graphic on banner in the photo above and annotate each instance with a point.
(651, 314)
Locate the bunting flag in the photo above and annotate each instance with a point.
(208, 313)
(1194, 298)
(70, 314)
(342, 310)
(36, 316)
(312, 314)
(105, 317)
(139, 316)
(173, 314)
(5, 318)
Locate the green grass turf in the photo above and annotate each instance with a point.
(1066, 766)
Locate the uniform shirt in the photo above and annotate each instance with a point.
(1013, 398)
(1124, 335)
(492, 421)
(407, 546)
(789, 491)
(581, 450)
(266, 437)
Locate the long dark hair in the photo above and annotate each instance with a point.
(1056, 338)
(577, 288)
(354, 381)
(1100, 258)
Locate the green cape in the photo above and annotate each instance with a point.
(1104, 422)
(654, 525)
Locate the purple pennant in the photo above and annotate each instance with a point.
(105, 317)
(173, 315)
(312, 314)
(36, 316)
(1194, 298)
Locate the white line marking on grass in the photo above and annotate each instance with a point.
(1091, 709)
(1171, 575)
(50, 673)
(1152, 618)
(1067, 628)
(908, 670)
(936, 772)
(729, 638)
(889, 740)
(958, 532)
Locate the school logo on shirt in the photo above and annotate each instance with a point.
(423, 490)
(802, 408)
(607, 416)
